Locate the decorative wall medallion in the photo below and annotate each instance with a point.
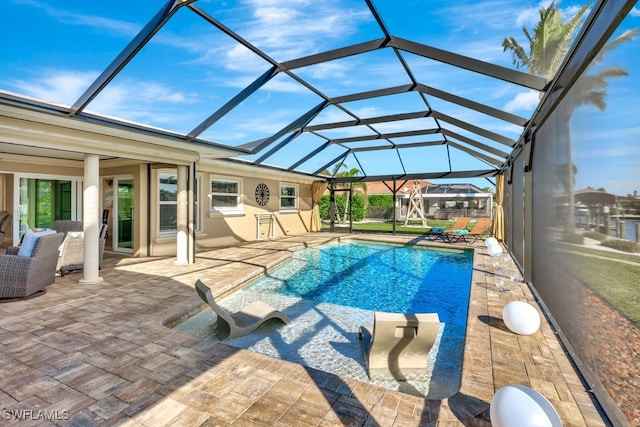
(262, 194)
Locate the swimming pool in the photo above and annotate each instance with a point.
(330, 291)
(378, 277)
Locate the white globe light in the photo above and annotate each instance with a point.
(490, 241)
(494, 249)
(519, 406)
(503, 280)
(521, 317)
(501, 260)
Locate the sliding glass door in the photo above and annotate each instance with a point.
(42, 200)
(123, 214)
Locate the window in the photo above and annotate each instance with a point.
(168, 200)
(288, 196)
(225, 196)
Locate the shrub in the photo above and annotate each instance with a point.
(323, 204)
(621, 245)
(381, 200)
(574, 238)
(358, 207)
(594, 235)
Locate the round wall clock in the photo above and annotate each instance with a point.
(262, 194)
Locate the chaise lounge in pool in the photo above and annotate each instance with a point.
(245, 321)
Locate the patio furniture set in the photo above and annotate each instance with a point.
(26, 270)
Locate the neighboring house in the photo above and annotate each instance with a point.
(441, 201)
(448, 201)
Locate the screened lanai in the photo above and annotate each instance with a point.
(393, 90)
(303, 89)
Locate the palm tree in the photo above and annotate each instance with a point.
(548, 45)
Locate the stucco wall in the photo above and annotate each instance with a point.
(225, 228)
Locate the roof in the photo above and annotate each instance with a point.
(306, 88)
(379, 187)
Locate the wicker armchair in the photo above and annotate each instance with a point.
(65, 226)
(22, 276)
(72, 249)
(72, 254)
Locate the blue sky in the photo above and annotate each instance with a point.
(54, 49)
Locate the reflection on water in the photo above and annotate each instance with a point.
(630, 231)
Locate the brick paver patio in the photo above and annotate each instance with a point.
(100, 355)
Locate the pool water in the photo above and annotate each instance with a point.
(330, 291)
(378, 277)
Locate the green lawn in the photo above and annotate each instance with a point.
(614, 281)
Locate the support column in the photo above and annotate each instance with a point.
(182, 249)
(191, 235)
(91, 219)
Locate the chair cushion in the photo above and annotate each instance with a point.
(75, 235)
(30, 239)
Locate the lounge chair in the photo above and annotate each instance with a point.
(397, 346)
(244, 321)
(435, 233)
(480, 229)
(457, 231)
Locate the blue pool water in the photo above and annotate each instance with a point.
(378, 277)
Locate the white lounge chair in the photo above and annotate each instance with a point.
(244, 321)
(397, 346)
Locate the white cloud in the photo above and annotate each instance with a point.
(119, 27)
(60, 86)
(288, 30)
(134, 100)
(523, 101)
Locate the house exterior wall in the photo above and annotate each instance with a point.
(216, 228)
(241, 225)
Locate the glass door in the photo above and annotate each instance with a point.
(123, 214)
(43, 199)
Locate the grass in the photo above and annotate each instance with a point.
(607, 254)
(614, 281)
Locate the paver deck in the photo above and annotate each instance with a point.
(100, 355)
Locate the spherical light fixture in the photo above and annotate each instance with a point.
(519, 406)
(521, 317)
(491, 241)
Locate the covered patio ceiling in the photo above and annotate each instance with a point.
(316, 87)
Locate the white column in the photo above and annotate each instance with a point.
(182, 217)
(91, 219)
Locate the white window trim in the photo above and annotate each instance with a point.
(160, 202)
(197, 220)
(237, 210)
(295, 207)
